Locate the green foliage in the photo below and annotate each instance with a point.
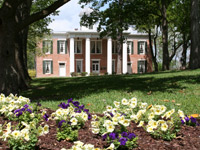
(66, 132)
(32, 73)
(74, 74)
(83, 74)
(19, 144)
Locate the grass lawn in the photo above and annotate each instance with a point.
(179, 90)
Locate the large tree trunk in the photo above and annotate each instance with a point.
(195, 38)
(119, 53)
(10, 79)
(165, 65)
(184, 53)
(152, 54)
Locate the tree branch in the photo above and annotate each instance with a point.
(42, 14)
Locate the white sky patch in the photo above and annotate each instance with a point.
(68, 18)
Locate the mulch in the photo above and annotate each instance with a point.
(187, 139)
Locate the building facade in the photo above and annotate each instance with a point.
(83, 51)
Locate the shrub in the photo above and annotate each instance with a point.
(93, 74)
(83, 74)
(32, 73)
(74, 74)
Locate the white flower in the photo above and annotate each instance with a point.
(149, 129)
(78, 143)
(164, 127)
(151, 116)
(121, 119)
(40, 131)
(109, 108)
(25, 134)
(85, 116)
(111, 147)
(124, 101)
(74, 121)
(16, 134)
(95, 130)
(117, 104)
(181, 114)
(133, 104)
(141, 124)
(46, 129)
(126, 122)
(94, 117)
(32, 115)
(88, 147)
(110, 128)
(143, 105)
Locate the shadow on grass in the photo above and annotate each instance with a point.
(79, 87)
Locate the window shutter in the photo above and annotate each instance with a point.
(65, 47)
(138, 63)
(145, 66)
(43, 67)
(146, 47)
(43, 46)
(132, 48)
(58, 47)
(138, 47)
(51, 47)
(51, 67)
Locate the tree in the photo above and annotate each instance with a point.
(195, 38)
(15, 18)
(113, 20)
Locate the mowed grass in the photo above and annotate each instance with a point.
(179, 90)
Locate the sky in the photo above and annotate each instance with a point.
(68, 18)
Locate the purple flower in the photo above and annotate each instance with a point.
(104, 136)
(70, 100)
(60, 123)
(29, 110)
(182, 121)
(75, 103)
(77, 110)
(86, 110)
(17, 110)
(131, 136)
(38, 104)
(46, 116)
(113, 136)
(19, 114)
(187, 119)
(26, 106)
(63, 105)
(81, 107)
(193, 120)
(123, 141)
(124, 134)
(111, 114)
(89, 116)
(23, 109)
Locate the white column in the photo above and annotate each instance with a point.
(109, 56)
(87, 56)
(71, 55)
(124, 58)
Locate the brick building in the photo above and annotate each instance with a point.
(83, 51)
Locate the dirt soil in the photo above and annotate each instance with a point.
(187, 139)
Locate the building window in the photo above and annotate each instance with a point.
(91, 27)
(47, 46)
(78, 66)
(78, 47)
(142, 47)
(114, 47)
(142, 66)
(95, 47)
(62, 47)
(48, 67)
(130, 47)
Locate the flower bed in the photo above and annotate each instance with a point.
(128, 124)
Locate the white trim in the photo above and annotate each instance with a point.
(87, 55)
(62, 61)
(109, 56)
(124, 58)
(64, 46)
(71, 56)
(47, 59)
(142, 40)
(96, 60)
(141, 59)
